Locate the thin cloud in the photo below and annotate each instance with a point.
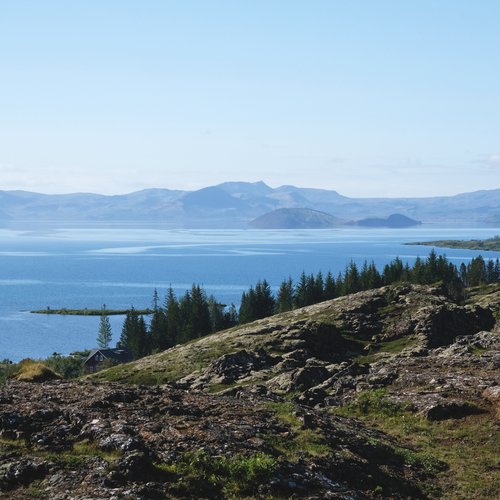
(490, 162)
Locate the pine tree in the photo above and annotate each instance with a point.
(245, 312)
(185, 325)
(301, 295)
(351, 279)
(476, 271)
(330, 287)
(172, 319)
(156, 300)
(158, 330)
(104, 334)
(318, 291)
(134, 335)
(417, 272)
(284, 299)
(200, 314)
(264, 300)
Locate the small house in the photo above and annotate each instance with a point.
(103, 358)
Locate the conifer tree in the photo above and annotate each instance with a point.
(245, 311)
(104, 334)
(264, 300)
(284, 298)
(318, 289)
(199, 314)
(301, 292)
(172, 319)
(330, 287)
(351, 279)
(134, 334)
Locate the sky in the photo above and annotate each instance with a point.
(381, 98)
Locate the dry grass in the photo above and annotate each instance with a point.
(35, 371)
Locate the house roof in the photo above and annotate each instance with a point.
(120, 355)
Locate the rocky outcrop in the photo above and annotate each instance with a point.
(318, 348)
(64, 445)
(426, 350)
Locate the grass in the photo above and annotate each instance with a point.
(34, 371)
(68, 460)
(7, 370)
(167, 366)
(12, 445)
(81, 450)
(213, 476)
(389, 347)
(373, 402)
(461, 453)
(302, 441)
(35, 491)
(476, 350)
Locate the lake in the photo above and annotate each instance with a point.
(88, 267)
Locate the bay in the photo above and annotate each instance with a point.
(120, 267)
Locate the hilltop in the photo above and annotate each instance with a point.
(296, 218)
(393, 392)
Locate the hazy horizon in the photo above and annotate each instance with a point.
(168, 188)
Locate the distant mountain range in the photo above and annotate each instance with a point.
(236, 204)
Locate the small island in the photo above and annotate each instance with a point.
(491, 244)
(90, 312)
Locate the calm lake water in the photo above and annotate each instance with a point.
(85, 268)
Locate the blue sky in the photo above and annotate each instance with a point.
(371, 98)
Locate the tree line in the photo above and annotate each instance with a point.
(260, 302)
(175, 321)
(178, 320)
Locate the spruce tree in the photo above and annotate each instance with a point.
(172, 319)
(245, 312)
(104, 334)
(200, 314)
(330, 287)
(301, 292)
(284, 299)
(134, 335)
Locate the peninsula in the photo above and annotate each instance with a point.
(491, 244)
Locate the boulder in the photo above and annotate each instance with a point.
(451, 409)
(135, 465)
(231, 367)
(492, 394)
